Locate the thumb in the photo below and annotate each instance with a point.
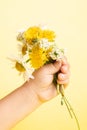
(53, 67)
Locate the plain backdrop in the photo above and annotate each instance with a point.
(68, 18)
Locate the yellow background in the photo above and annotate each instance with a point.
(68, 18)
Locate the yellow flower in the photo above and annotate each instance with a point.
(38, 57)
(32, 34)
(50, 35)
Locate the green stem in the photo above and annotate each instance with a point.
(68, 105)
(63, 97)
(73, 113)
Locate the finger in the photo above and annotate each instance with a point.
(65, 65)
(65, 68)
(64, 82)
(64, 61)
(53, 67)
(62, 76)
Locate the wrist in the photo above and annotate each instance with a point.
(37, 92)
(32, 93)
(41, 94)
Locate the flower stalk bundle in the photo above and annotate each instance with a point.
(37, 48)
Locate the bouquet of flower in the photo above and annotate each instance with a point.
(37, 48)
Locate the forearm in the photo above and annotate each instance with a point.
(17, 105)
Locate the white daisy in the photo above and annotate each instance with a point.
(44, 43)
(57, 53)
(22, 64)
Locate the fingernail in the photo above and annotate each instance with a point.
(62, 76)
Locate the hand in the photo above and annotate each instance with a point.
(32, 94)
(43, 81)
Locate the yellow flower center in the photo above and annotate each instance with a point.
(24, 49)
(19, 67)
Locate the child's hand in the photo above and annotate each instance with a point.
(43, 82)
